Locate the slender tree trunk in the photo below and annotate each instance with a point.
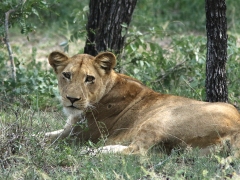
(6, 40)
(216, 25)
(107, 25)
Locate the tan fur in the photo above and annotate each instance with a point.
(128, 113)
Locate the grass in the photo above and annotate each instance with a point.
(25, 155)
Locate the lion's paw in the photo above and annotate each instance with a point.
(104, 150)
(112, 148)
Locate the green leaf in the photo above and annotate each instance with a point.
(141, 63)
(124, 25)
(133, 47)
(135, 70)
(43, 2)
(152, 46)
(86, 8)
(34, 11)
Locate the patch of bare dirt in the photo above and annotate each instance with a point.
(44, 43)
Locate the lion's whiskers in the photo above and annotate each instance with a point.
(91, 107)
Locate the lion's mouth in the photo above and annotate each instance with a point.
(80, 107)
(72, 110)
(74, 107)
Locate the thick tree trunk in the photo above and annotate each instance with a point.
(216, 25)
(107, 25)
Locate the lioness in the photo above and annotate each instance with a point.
(132, 116)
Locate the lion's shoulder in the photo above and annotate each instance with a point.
(129, 78)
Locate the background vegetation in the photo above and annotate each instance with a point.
(165, 48)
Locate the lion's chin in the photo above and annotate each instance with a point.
(72, 111)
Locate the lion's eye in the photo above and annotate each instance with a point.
(89, 79)
(67, 75)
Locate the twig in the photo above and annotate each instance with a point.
(170, 71)
(6, 39)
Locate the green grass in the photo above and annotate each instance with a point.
(25, 155)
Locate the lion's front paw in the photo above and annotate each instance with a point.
(104, 150)
(54, 135)
(112, 149)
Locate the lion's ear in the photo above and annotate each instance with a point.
(106, 61)
(58, 61)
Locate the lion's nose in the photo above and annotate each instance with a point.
(72, 99)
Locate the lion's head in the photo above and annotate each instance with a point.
(82, 79)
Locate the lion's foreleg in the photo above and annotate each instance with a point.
(131, 149)
(59, 134)
(66, 131)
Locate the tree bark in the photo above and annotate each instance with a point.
(107, 25)
(216, 26)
